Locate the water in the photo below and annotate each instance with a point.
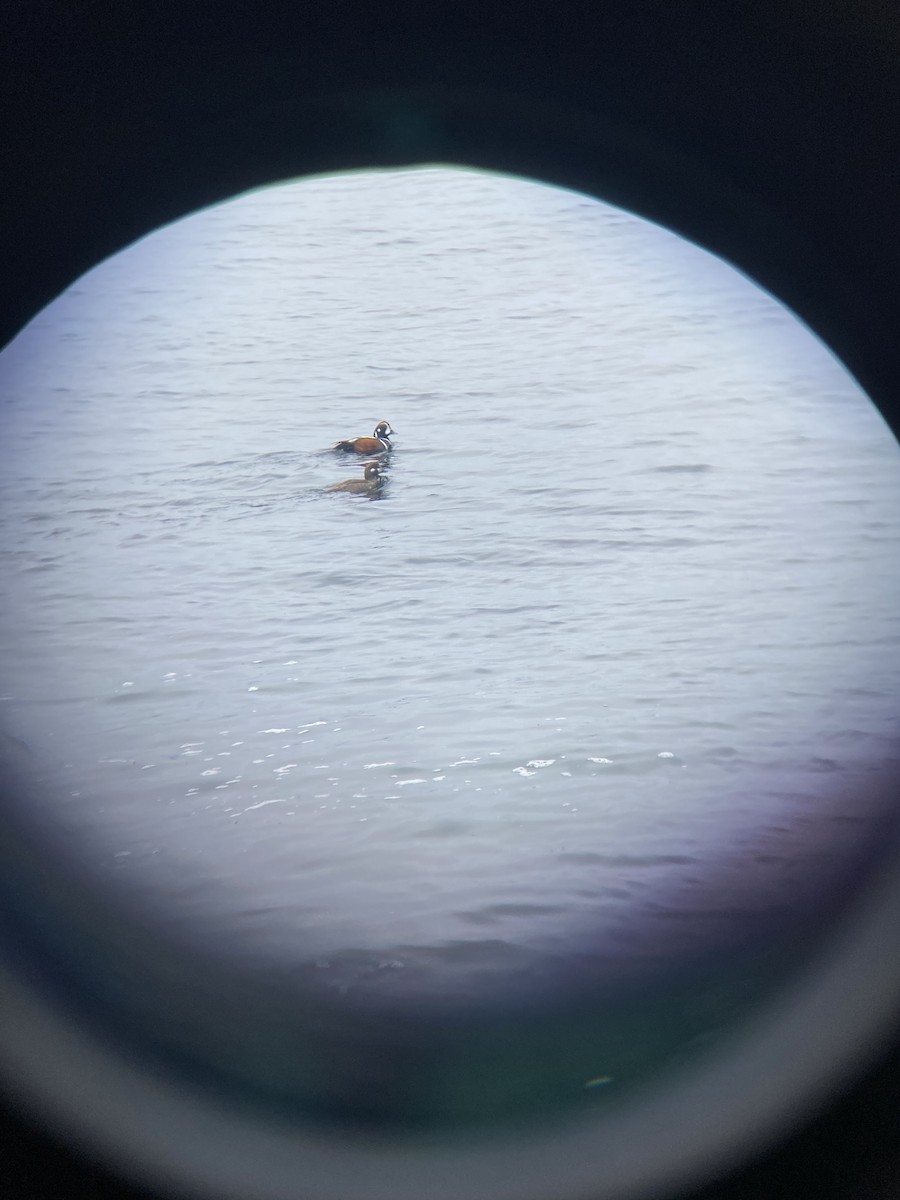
(613, 660)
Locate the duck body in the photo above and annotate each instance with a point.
(371, 481)
(378, 443)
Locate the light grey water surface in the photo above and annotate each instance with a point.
(618, 646)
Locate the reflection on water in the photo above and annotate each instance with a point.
(609, 684)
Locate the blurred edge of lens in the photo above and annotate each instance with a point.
(156, 1129)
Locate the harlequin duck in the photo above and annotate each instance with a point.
(371, 481)
(377, 444)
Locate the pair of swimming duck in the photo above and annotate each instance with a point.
(378, 443)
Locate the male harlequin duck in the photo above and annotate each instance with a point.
(377, 444)
(371, 481)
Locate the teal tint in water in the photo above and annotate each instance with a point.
(612, 663)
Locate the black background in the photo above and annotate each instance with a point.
(769, 132)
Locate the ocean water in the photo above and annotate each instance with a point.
(613, 660)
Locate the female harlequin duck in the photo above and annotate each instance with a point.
(377, 444)
(371, 481)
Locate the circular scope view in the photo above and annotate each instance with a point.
(431, 581)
